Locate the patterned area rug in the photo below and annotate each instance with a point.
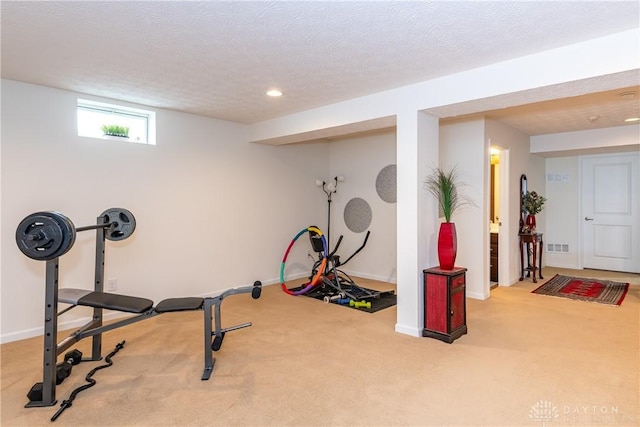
(585, 289)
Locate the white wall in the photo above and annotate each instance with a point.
(360, 160)
(462, 145)
(213, 211)
(562, 211)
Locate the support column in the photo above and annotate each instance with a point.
(417, 153)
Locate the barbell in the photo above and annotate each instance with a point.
(48, 235)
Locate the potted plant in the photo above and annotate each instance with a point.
(115, 130)
(444, 186)
(532, 204)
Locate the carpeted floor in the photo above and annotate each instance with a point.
(584, 289)
(306, 363)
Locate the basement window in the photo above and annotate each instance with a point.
(109, 121)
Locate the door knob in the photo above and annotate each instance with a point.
(586, 218)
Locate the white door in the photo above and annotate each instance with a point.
(610, 220)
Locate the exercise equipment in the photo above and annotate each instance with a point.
(333, 298)
(334, 280)
(63, 370)
(360, 304)
(332, 284)
(46, 236)
(329, 189)
(320, 267)
(90, 381)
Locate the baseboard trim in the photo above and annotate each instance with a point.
(561, 265)
(408, 330)
(477, 295)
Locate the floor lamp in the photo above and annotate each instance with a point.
(329, 189)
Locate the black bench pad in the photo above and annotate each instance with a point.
(179, 304)
(116, 302)
(126, 303)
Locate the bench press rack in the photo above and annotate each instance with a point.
(142, 308)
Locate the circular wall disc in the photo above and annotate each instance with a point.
(357, 215)
(386, 183)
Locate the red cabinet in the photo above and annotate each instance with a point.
(445, 316)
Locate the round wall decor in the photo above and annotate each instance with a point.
(357, 215)
(386, 183)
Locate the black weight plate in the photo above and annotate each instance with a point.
(123, 223)
(68, 229)
(44, 235)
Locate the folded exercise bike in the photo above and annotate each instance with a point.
(334, 281)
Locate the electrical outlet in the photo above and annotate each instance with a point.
(112, 284)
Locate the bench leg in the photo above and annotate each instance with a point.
(219, 333)
(209, 360)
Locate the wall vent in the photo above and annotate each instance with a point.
(557, 247)
(557, 177)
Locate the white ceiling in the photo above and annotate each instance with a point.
(217, 59)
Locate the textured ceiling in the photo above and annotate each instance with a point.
(217, 59)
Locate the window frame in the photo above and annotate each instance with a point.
(116, 111)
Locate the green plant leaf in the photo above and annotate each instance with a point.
(444, 186)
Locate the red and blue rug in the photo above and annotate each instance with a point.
(585, 289)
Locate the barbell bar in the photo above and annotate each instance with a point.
(47, 235)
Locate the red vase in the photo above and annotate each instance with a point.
(531, 222)
(447, 245)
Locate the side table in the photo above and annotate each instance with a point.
(445, 316)
(534, 263)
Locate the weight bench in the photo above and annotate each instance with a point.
(144, 309)
(47, 236)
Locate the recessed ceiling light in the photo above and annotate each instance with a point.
(632, 119)
(274, 92)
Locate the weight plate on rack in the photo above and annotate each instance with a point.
(45, 235)
(123, 223)
(69, 230)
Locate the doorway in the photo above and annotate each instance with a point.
(498, 215)
(610, 218)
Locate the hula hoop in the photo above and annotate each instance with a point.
(317, 276)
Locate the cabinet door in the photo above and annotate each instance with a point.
(457, 308)
(436, 303)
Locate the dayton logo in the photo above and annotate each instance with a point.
(543, 411)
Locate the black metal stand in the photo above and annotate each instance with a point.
(329, 190)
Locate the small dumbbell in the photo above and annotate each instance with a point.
(63, 370)
(333, 298)
(343, 301)
(35, 394)
(74, 356)
(360, 304)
